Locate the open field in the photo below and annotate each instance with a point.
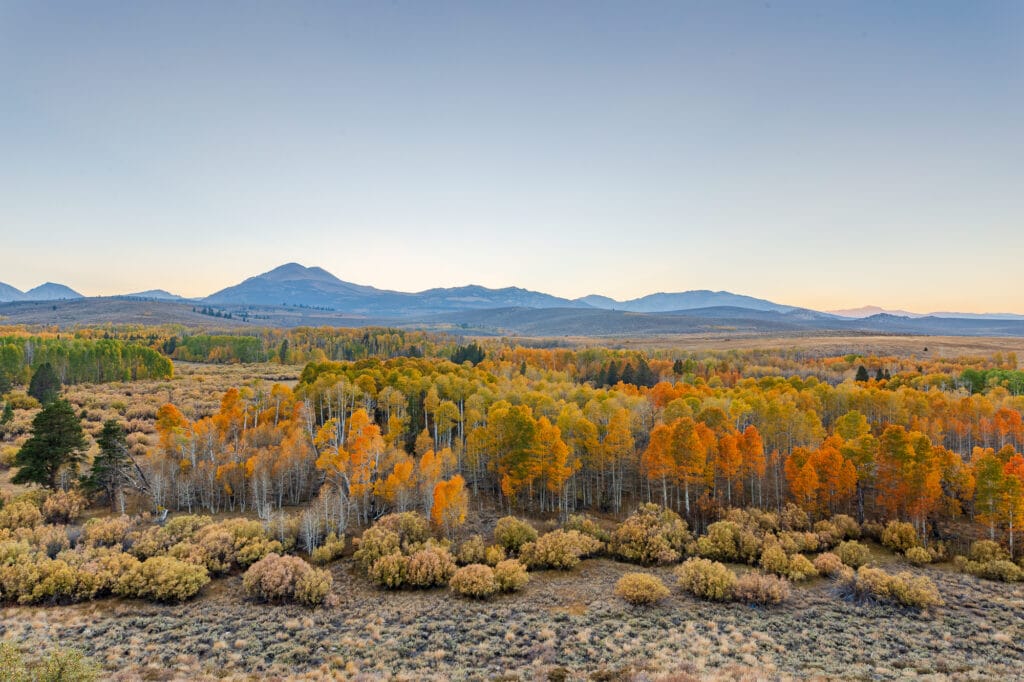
(563, 625)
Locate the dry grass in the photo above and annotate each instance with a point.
(562, 624)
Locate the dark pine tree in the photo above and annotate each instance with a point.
(57, 443)
(862, 373)
(677, 368)
(112, 467)
(45, 384)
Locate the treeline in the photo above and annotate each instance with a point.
(79, 360)
(374, 435)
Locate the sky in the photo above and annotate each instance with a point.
(821, 154)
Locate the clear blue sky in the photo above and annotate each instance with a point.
(826, 154)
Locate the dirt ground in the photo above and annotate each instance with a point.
(562, 626)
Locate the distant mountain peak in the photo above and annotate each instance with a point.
(50, 291)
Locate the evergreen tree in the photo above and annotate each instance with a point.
(677, 368)
(879, 374)
(628, 377)
(8, 413)
(282, 352)
(111, 469)
(57, 442)
(862, 373)
(45, 384)
(612, 377)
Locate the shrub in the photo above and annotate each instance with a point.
(474, 580)
(984, 551)
(251, 541)
(827, 532)
(1002, 570)
(798, 541)
(558, 549)
(775, 560)
(429, 567)
(760, 588)
(794, 518)
(59, 666)
(412, 528)
(587, 526)
(800, 568)
(377, 542)
(899, 536)
(706, 579)
(332, 549)
(494, 555)
(652, 535)
(828, 564)
(510, 576)
(63, 506)
(163, 579)
(641, 588)
(754, 520)
(20, 514)
(872, 530)
(915, 591)
(721, 542)
(277, 578)
(389, 570)
(512, 533)
(110, 531)
(852, 553)
(918, 556)
(847, 526)
(904, 588)
(472, 551)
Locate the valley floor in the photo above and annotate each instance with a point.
(562, 626)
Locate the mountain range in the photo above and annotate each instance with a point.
(294, 294)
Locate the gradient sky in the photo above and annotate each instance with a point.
(823, 154)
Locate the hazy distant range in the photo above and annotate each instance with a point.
(293, 295)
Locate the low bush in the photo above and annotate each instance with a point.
(794, 542)
(474, 580)
(109, 531)
(651, 535)
(874, 584)
(512, 533)
(389, 570)
(376, 542)
(760, 588)
(1002, 570)
(641, 588)
(587, 526)
(510, 576)
(774, 560)
(277, 578)
(473, 550)
(984, 551)
(20, 514)
(412, 529)
(706, 579)
(918, 556)
(829, 564)
(59, 665)
(63, 506)
(163, 579)
(794, 518)
(852, 553)
(800, 568)
(429, 567)
(899, 536)
(494, 555)
(721, 542)
(558, 549)
(332, 549)
(847, 526)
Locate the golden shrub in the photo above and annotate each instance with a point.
(412, 528)
(333, 548)
(389, 570)
(760, 588)
(1002, 570)
(558, 549)
(916, 591)
(510, 576)
(651, 535)
(164, 579)
(109, 531)
(847, 526)
(899, 536)
(63, 506)
(475, 580)
(277, 578)
(800, 568)
(587, 526)
(852, 553)
(512, 533)
(313, 586)
(377, 542)
(794, 518)
(493, 555)
(641, 588)
(987, 550)
(472, 551)
(721, 542)
(429, 567)
(20, 514)
(775, 560)
(918, 556)
(828, 564)
(706, 579)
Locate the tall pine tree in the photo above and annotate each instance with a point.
(112, 467)
(57, 443)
